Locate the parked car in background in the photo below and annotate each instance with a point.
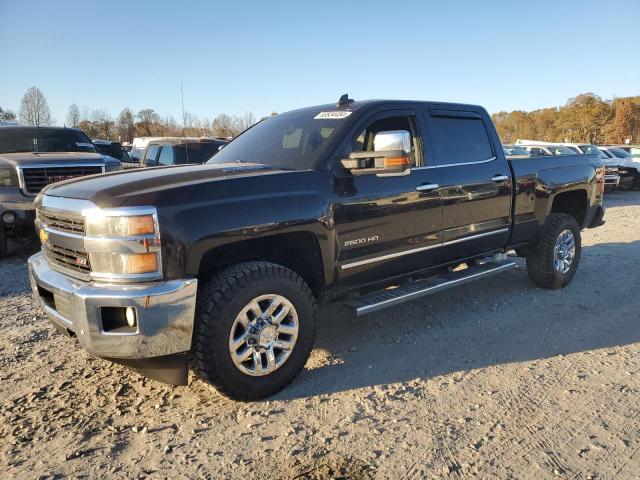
(115, 150)
(178, 151)
(138, 146)
(515, 151)
(632, 149)
(628, 165)
(538, 148)
(32, 158)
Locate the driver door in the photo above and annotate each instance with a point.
(387, 224)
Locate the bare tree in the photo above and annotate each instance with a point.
(34, 109)
(243, 122)
(73, 116)
(126, 126)
(148, 123)
(104, 124)
(7, 115)
(222, 126)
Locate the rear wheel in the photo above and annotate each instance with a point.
(255, 327)
(557, 254)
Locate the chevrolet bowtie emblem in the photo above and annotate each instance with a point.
(44, 236)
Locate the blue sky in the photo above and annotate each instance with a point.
(240, 56)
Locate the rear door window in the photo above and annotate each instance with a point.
(166, 155)
(150, 155)
(459, 139)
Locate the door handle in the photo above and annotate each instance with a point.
(499, 178)
(427, 187)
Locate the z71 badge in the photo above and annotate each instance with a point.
(361, 241)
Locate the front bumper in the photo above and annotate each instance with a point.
(165, 312)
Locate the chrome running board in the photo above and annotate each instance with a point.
(375, 301)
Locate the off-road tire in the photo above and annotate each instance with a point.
(3, 242)
(540, 265)
(218, 303)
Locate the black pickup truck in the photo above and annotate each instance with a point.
(223, 264)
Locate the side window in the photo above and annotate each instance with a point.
(459, 140)
(363, 141)
(536, 152)
(166, 155)
(150, 155)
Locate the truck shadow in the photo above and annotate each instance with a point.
(502, 320)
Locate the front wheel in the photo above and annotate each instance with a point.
(557, 253)
(255, 328)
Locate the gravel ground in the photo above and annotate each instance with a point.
(494, 380)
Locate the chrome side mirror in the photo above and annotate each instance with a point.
(392, 140)
(391, 155)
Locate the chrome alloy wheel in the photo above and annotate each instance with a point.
(564, 251)
(263, 335)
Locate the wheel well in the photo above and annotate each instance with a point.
(573, 203)
(299, 251)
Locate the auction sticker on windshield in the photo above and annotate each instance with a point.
(332, 115)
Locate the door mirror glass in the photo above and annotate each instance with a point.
(392, 140)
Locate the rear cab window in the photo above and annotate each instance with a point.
(459, 137)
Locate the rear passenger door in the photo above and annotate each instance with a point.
(476, 183)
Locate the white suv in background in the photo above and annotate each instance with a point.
(628, 165)
(539, 148)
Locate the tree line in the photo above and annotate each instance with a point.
(584, 118)
(98, 123)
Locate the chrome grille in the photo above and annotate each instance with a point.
(65, 222)
(66, 258)
(36, 178)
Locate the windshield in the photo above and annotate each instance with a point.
(15, 140)
(586, 149)
(291, 141)
(515, 150)
(561, 151)
(618, 152)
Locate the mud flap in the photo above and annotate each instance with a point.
(171, 369)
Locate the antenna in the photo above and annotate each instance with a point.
(184, 124)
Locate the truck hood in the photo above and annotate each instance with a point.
(32, 158)
(145, 185)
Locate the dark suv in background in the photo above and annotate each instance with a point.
(115, 150)
(176, 151)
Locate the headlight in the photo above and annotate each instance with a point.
(8, 177)
(123, 244)
(103, 226)
(124, 263)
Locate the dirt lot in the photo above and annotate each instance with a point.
(495, 380)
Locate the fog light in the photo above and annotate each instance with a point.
(8, 217)
(130, 313)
